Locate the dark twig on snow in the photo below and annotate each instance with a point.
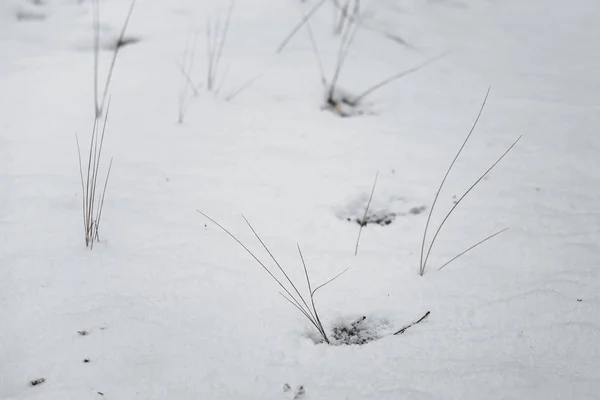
(423, 318)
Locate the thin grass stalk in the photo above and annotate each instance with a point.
(185, 68)
(208, 52)
(344, 14)
(345, 43)
(342, 19)
(312, 321)
(113, 61)
(96, 45)
(363, 221)
(243, 87)
(82, 184)
(189, 82)
(215, 40)
(98, 148)
(95, 171)
(465, 195)
(92, 214)
(215, 43)
(315, 49)
(398, 76)
(473, 247)
(222, 82)
(300, 24)
(224, 35)
(89, 186)
(99, 215)
(330, 280)
(437, 194)
(312, 300)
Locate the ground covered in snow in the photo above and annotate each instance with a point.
(168, 306)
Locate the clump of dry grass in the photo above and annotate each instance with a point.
(425, 254)
(304, 303)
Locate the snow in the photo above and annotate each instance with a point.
(173, 308)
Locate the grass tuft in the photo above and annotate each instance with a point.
(425, 255)
(304, 303)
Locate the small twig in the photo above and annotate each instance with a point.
(401, 331)
(363, 222)
(475, 245)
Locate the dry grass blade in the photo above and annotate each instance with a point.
(215, 43)
(437, 194)
(99, 216)
(330, 280)
(189, 83)
(398, 76)
(243, 87)
(83, 197)
(474, 246)
(315, 50)
(346, 41)
(120, 42)
(345, 15)
(224, 37)
(96, 49)
(303, 21)
(363, 222)
(312, 299)
(465, 195)
(186, 68)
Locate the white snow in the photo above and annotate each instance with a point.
(173, 308)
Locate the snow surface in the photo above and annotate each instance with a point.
(172, 308)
